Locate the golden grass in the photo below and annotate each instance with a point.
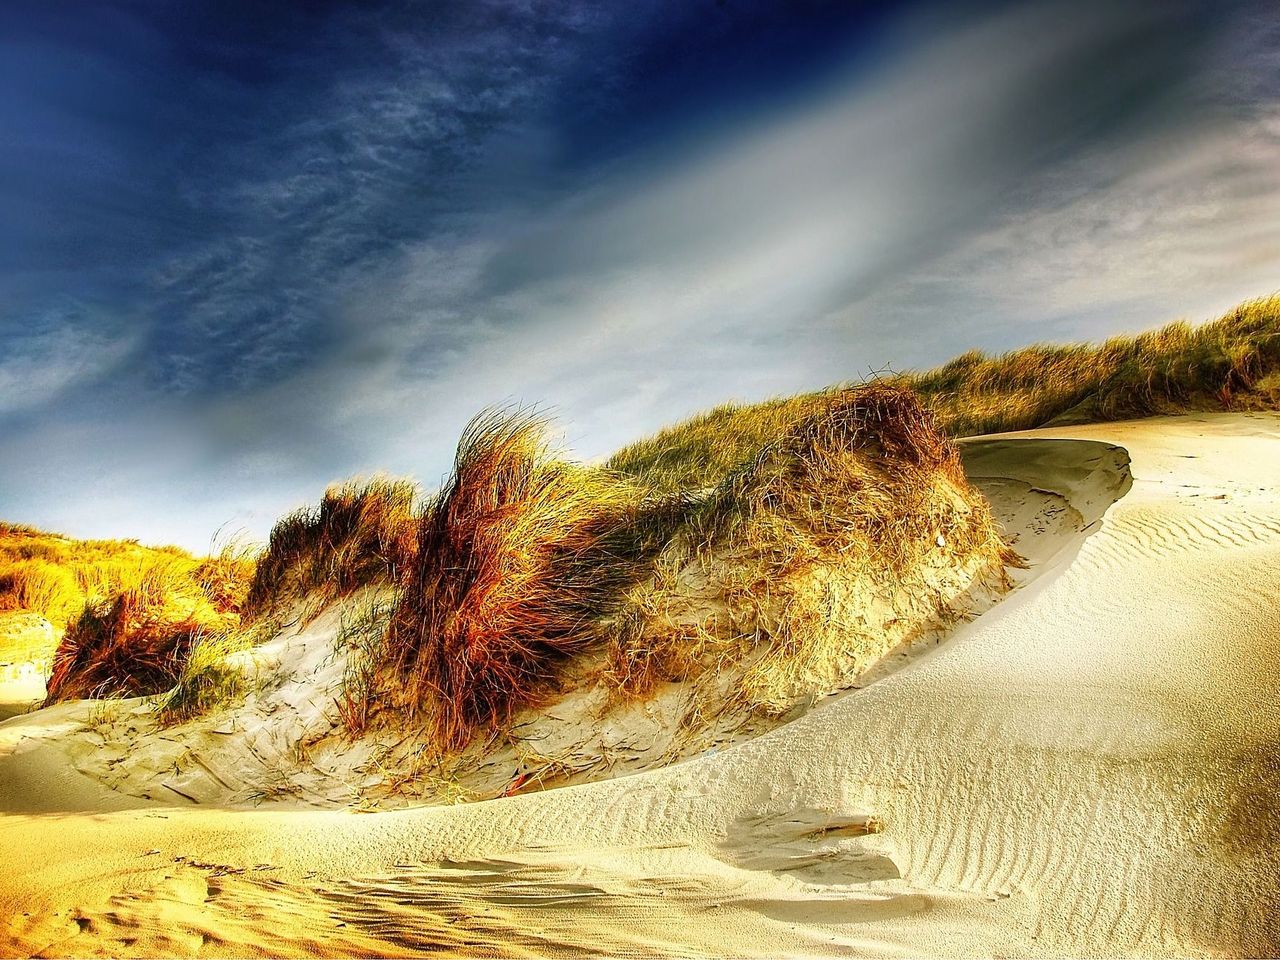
(131, 613)
(39, 586)
(516, 558)
(777, 569)
(361, 532)
(1230, 363)
(136, 641)
(56, 576)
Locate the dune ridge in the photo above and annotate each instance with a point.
(1089, 767)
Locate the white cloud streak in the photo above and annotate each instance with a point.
(53, 356)
(950, 197)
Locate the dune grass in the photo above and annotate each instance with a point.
(210, 675)
(136, 641)
(517, 558)
(148, 621)
(362, 637)
(38, 586)
(526, 562)
(1227, 364)
(774, 571)
(743, 541)
(360, 532)
(126, 614)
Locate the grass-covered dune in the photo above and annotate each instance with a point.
(126, 615)
(836, 541)
(1230, 363)
(54, 575)
(762, 553)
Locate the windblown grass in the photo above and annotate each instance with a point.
(517, 559)
(526, 563)
(361, 532)
(136, 642)
(813, 558)
(1230, 363)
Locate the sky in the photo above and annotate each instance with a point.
(249, 249)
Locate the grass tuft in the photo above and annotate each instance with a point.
(763, 552)
(516, 559)
(360, 533)
(211, 675)
(135, 642)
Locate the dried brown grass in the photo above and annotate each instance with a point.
(517, 559)
(137, 641)
(361, 532)
(834, 542)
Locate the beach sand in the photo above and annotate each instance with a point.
(1091, 767)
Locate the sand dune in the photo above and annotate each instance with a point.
(1090, 767)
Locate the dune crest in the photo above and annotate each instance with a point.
(1084, 768)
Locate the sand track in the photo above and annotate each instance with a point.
(1089, 768)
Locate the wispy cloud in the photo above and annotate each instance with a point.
(54, 353)
(391, 153)
(395, 220)
(810, 245)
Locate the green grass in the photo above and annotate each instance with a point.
(209, 677)
(1228, 364)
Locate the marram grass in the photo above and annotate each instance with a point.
(744, 541)
(1228, 364)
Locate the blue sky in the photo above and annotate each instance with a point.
(248, 249)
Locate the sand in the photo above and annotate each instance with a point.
(1091, 767)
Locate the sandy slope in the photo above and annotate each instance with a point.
(1089, 768)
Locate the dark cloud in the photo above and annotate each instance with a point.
(251, 248)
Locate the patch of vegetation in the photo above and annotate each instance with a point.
(55, 576)
(360, 533)
(1229, 364)
(525, 562)
(126, 614)
(516, 559)
(776, 572)
(211, 676)
(775, 547)
(135, 642)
